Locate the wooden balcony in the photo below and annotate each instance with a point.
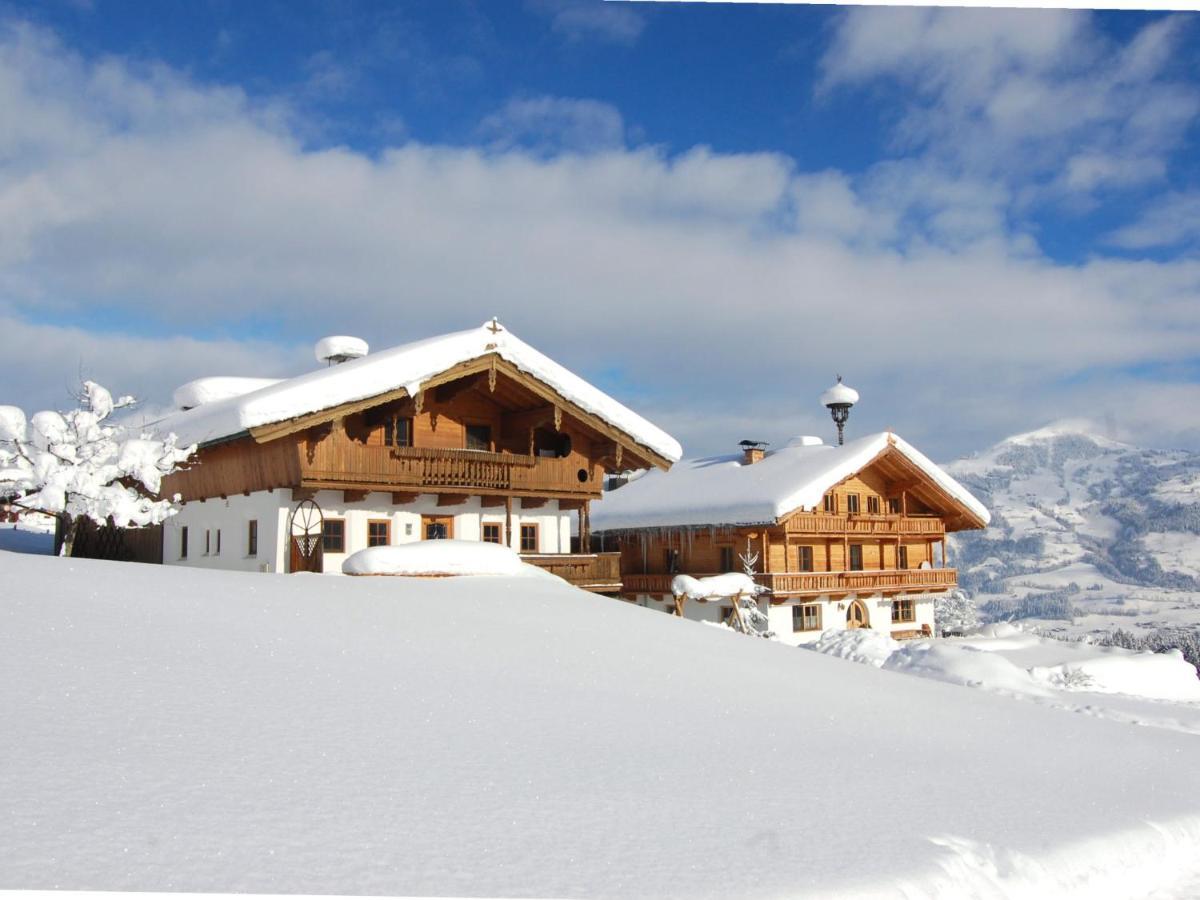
(599, 572)
(341, 464)
(821, 523)
(796, 584)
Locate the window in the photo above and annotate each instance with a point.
(805, 559)
(218, 551)
(830, 503)
(398, 431)
(379, 533)
(491, 533)
(252, 537)
(806, 617)
(479, 437)
(529, 539)
(333, 536)
(671, 561)
(856, 562)
(872, 506)
(852, 504)
(207, 542)
(894, 506)
(437, 528)
(902, 611)
(183, 542)
(727, 560)
(902, 562)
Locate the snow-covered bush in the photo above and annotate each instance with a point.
(77, 464)
(955, 614)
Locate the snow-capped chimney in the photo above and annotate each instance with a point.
(752, 451)
(339, 348)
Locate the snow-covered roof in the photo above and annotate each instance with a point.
(218, 387)
(408, 366)
(722, 490)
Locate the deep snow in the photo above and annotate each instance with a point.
(170, 729)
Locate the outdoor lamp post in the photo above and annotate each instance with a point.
(839, 399)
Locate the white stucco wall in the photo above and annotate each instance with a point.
(231, 517)
(272, 510)
(779, 616)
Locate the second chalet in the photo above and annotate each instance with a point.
(473, 435)
(849, 536)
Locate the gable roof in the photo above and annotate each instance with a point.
(721, 490)
(407, 369)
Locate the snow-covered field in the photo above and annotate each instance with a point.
(168, 729)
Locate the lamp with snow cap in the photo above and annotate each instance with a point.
(838, 399)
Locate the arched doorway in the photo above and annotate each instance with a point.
(856, 615)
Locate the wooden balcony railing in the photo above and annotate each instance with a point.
(599, 572)
(822, 523)
(334, 462)
(784, 584)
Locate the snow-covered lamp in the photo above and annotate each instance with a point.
(838, 399)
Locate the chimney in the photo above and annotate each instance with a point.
(752, 451)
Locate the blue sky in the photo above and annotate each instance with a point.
(987, 220)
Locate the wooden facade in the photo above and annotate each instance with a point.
(482, 430)
(880, 531)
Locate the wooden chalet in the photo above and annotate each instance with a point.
(472, 435)
(851, 536)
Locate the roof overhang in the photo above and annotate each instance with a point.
(490, 361)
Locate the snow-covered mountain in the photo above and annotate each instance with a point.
(1082, 522)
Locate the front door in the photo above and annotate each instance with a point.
(434, 528)
(856, 615)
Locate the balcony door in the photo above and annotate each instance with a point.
(436, 528)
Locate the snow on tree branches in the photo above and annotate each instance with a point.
(76, 464)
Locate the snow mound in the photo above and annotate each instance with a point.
(964, 665)
(218, 387)
(1006, 658)
(1156, 676)
(861, 645)
(714, 587)
(436, 558)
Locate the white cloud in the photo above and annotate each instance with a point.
(719, 290)
(554, 125)
(1011, 94)
(577, 20)
(1171, 220)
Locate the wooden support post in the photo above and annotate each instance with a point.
(737, 612)
(508, 520)
(680, 599)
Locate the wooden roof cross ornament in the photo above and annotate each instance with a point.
(494, 327)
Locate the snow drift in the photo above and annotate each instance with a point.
(436, 558)
(186, 730)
